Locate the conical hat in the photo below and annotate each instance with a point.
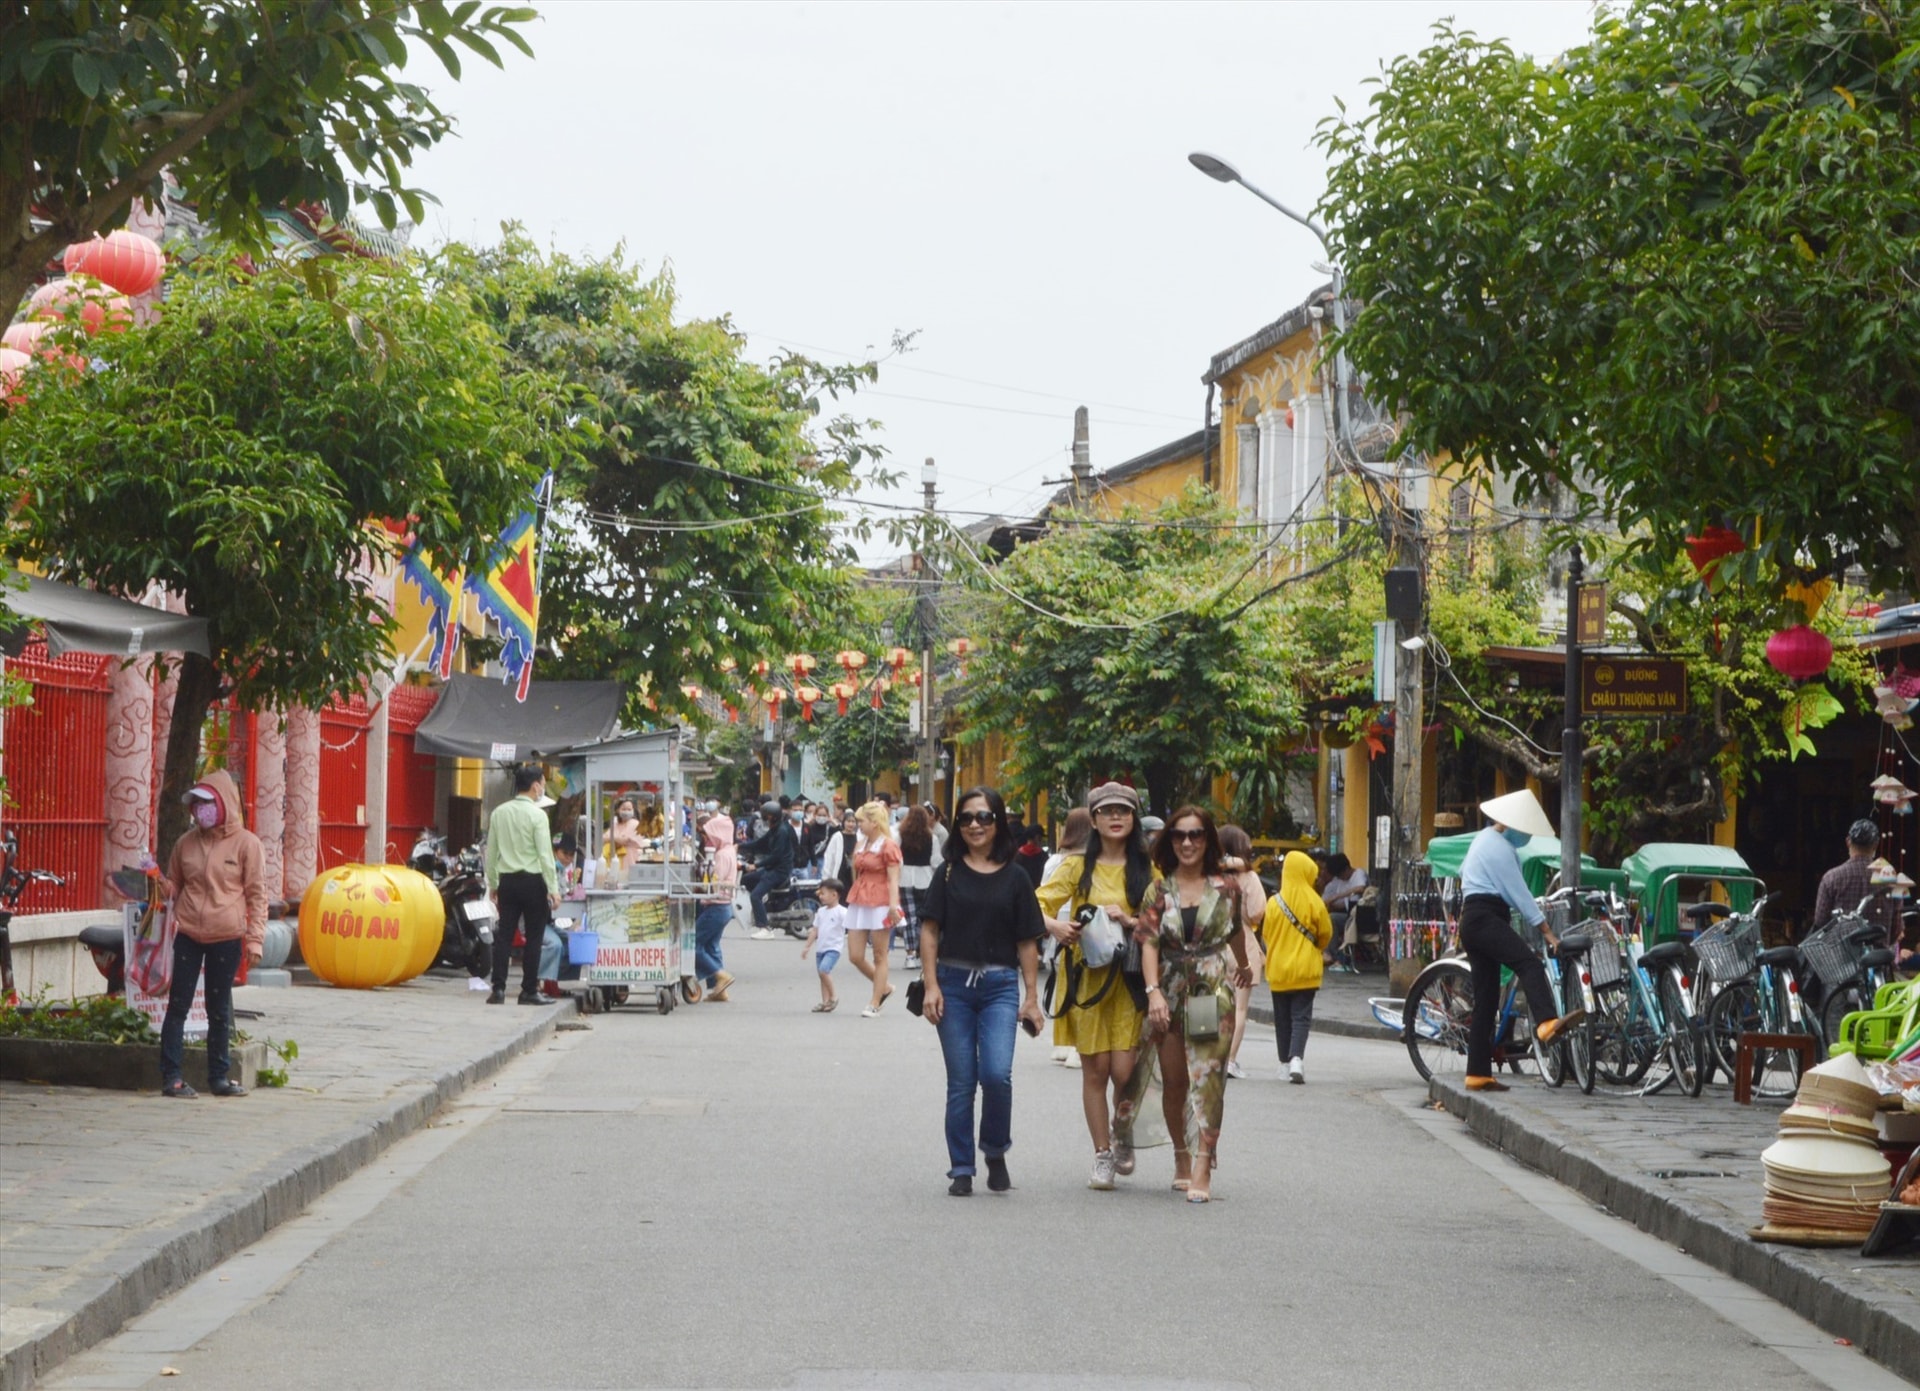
(1520, 810)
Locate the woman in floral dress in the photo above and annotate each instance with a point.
(1189, 923)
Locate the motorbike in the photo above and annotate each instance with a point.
(791, 909)
(467, 938)
(13, 882)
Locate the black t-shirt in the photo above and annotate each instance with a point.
(982, 918)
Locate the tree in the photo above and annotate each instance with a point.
(1142, 648)
(249, 106)
(1672, 270)
(696, 519)
(242, 450)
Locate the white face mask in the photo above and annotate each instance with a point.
(206, 815)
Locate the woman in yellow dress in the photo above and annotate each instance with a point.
(1102, 1021)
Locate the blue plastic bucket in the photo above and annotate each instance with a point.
(582, 948)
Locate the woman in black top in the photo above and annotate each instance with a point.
(980, 930)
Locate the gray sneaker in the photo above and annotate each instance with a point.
(1102, 1171)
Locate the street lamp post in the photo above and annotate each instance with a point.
(1410, 652)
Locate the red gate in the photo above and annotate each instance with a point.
(56, 769)
(410, 774)
(343, 783)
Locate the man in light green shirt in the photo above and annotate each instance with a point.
(522, 883)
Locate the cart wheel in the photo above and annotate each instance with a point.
(664, 1001)
(691, 990)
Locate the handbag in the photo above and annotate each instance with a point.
(916, 997)
(1202, 1016)
(1100, 937)
(150, 947)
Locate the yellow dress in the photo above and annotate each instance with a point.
(1113, 1025)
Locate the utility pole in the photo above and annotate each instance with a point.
(929, 737)
(1082, 459)
(1406, 606)
(1570, 734)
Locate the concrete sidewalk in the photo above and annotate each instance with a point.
(1688, 1171)
(115, 1199)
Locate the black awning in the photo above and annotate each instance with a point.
(84, 620)
(477, 717)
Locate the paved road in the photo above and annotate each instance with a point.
(751, 1195)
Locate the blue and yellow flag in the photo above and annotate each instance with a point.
(439, 594)
(509, 592)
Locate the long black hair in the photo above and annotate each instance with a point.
(1139, 863)
(1002, 849)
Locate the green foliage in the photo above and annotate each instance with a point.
(695, 519)
(241, 450)
(864, 742)
(271, 1076)
(250, 107)
(1151, 653)
(1671, 270)
(98, 1019)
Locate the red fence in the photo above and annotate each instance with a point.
(410, 774)
(56, 766)
(343, 783)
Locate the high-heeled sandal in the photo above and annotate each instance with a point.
(1202, 1195)
(1180, 1185)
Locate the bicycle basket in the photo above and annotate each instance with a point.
(1606, 958)
(1729, 950)
(1830, 957)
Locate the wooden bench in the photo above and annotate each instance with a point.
(1751, 1043)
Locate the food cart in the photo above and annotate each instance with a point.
(633, 917)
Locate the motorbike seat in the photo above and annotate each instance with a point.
(1780, 956)
(1666, 954)
(1868, 932)
(1879, 956)
(1704, 913)
(1572, 944)
(103, 936)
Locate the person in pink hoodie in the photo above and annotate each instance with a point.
(716, 911)
(216, 880)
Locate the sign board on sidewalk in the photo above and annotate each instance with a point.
(1590, 619)
(1634, 686)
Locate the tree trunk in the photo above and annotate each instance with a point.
(199, 686)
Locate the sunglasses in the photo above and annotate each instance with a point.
(973, 818)
(1117, 809)
(1187, 835)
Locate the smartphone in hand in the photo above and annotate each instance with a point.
(1033, 1029)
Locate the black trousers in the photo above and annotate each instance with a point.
(1292, 1022)
(523, 905)
(761, 882)
(1486, 931)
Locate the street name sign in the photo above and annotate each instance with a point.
(1590, 624)
(1634, 686)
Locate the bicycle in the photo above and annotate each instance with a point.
(1649, 1017)
(1759, 992)
(1851, 967)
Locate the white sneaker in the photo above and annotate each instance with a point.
(1296, 1072)
(869, 1013)
(1234, 1069)
(764, 934)
(1102, 1171)
(1060, 1055)
(1072, 1064)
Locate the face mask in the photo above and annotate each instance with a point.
(796, 818)
(206, 815)
(1516, 838)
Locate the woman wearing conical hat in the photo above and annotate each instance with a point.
(1495, 889)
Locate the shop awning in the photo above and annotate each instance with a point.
(84, 620)
(477, 717)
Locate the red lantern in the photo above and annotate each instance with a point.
(898, 657)
(690, 691)
(918, 679)
(960, 647)
(22, 337)
(126, 261)
(844, 691)
(773, 697)
(1800, 652)
(1713, 545)
(799, 663)
(762, 667)
(881, 685)
(807, 695)
(850, 660)
(733, 715)
(12, 364)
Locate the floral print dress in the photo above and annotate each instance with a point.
(1192, 961)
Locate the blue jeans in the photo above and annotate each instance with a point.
(760, 883)
(222, 962)
(707, 927)
(977, 1032)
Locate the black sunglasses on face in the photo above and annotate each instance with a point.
(973, 818)
(1187, 835)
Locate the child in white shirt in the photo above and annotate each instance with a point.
(827, 938)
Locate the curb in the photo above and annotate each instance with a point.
(1341, 1028)
(222, 1230)
(1886, 1330)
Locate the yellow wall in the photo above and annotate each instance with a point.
(1148, 489)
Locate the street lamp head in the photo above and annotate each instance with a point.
(1214, 167)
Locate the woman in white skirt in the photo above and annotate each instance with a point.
(873, 903)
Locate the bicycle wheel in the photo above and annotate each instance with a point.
(1848, 999)
(1551, 1058)
(1734, 1011)
(1683, 1043)
(1623, 1040)
(1579, 1046)
(1436, 1019)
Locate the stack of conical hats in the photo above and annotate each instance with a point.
(1826, 1172)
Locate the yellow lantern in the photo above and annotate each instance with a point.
(363, 926)
(800, 664)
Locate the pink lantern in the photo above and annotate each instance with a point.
(22, 336)
(13, 363)
(99, 309)
(1800, 652)
(127, 261)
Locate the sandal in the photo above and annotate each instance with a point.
(1202, 1195)
(1180, 1185)
(178, 1089)
(832, 1005)
(822, 1007)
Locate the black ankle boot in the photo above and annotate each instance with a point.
(997, 1178)
(961, 1187)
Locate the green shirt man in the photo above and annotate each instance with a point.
(519, 840)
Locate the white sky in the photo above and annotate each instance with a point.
(1010, 180)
